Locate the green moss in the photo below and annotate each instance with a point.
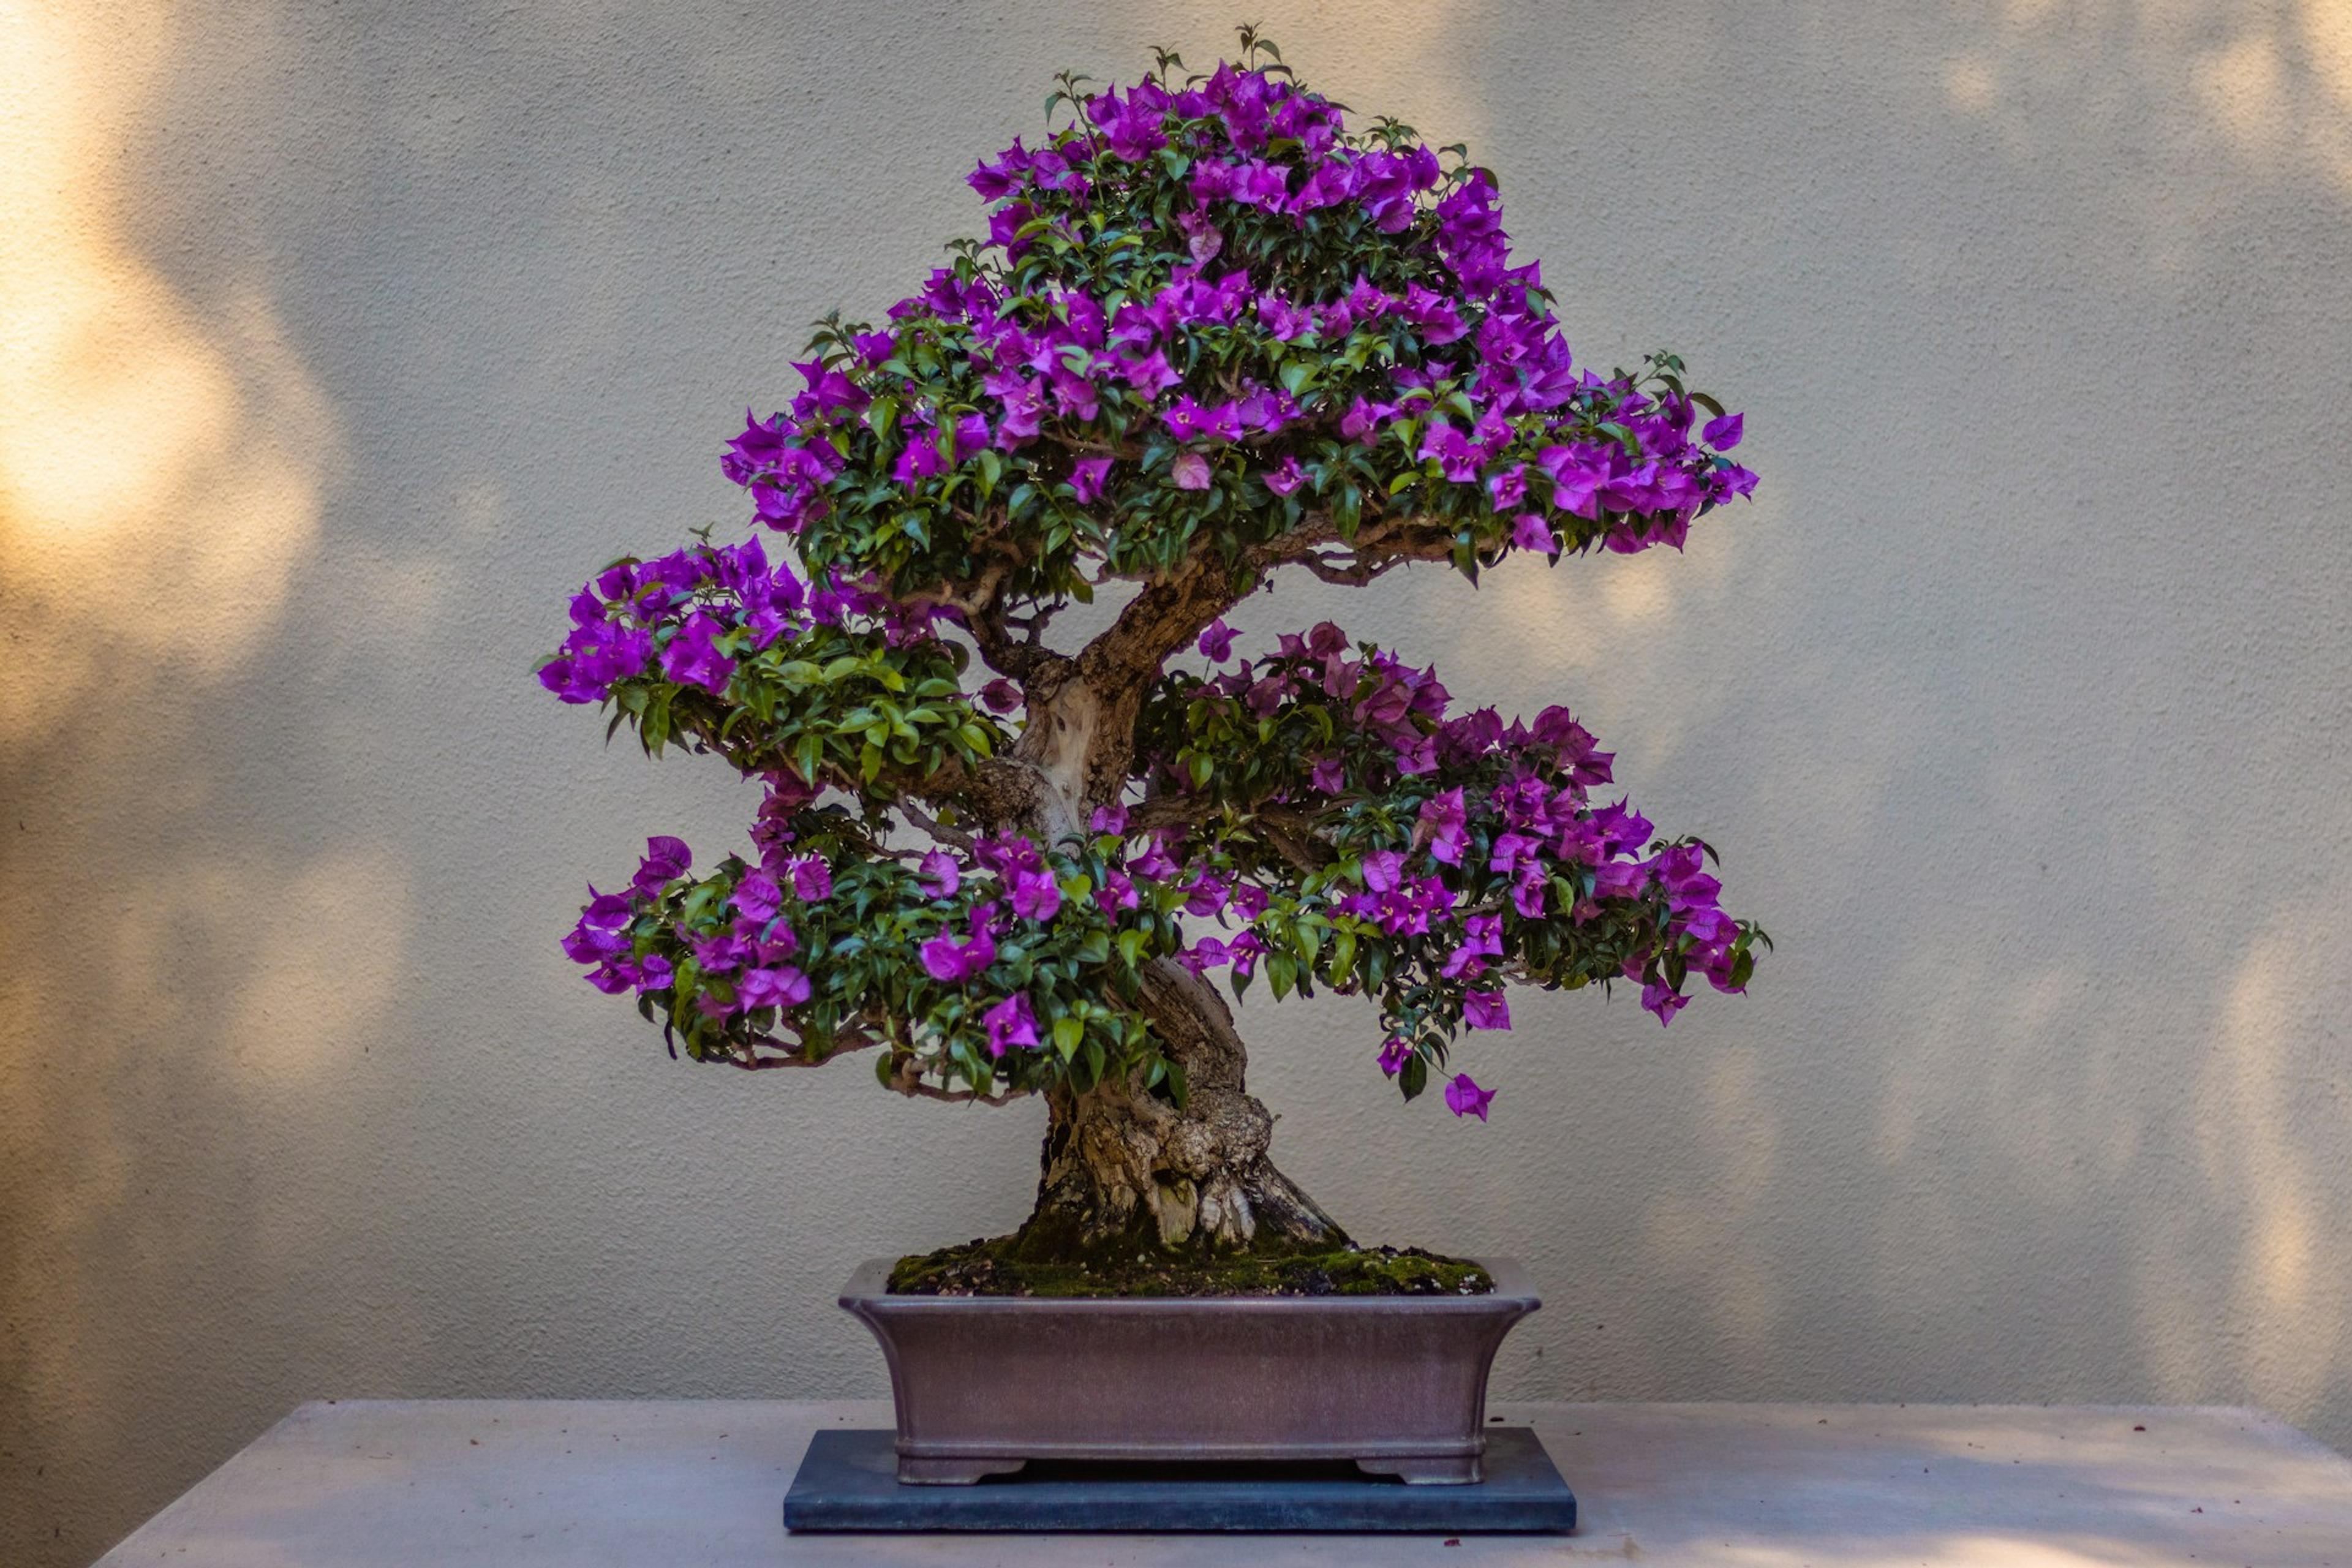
(995, 1267)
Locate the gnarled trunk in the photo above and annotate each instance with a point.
(1126, 1171)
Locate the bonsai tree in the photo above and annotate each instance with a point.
(1214, 337)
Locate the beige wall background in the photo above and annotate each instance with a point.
(337, 344)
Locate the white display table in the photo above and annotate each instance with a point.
(700, 1484)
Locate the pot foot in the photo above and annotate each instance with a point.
(949, 1472)
(1427, 1469)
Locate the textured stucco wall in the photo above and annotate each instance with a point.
(337, 343)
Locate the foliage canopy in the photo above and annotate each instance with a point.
(1211, 332)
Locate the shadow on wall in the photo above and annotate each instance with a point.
(168, 988)
(2019, 703)
(2022, 726)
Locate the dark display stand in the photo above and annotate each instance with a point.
(848, 1482)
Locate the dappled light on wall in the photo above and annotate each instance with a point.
(2271, 84)
(159, 470)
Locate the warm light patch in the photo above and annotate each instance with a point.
(2243, 89)
(326, 965)
(149, 456)
(1970, 83)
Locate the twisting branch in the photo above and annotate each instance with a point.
(1168, 810)
(1351, 571)
(1173, 609)
(795, 1053)
(994, 791)
(1292, 836)
(1027, 660)
(939, 830)
(909, 1080)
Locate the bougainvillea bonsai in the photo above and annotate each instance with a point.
(1213, 333)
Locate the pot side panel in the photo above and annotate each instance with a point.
(1199, 1378)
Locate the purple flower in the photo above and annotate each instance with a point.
(1109, 819)
(1433, 313)
(758, 897)
(665, 859)
(721, 954)
(1483, 941)
(996, 181)
(771, 943)
(1528, 892)
(1465, 1098)
(1328, 775)
(1287, 478)
(1441, 818)
(1217, 642)
(1364, 418)
(1283, 319)
(1036, 895)
(654, 972)
(1662, 999)
(1010, 1022)
(1724, 433)
(1209, 952)
(1187, 420)
(1000, 696)
(783, 986)
(607, 912)
(692, 658)
(1087, 476)
(1530, 531)
(1205, 894)
(1116, 893)
(1486, 1010)
(1621, 829)
(1189, 472)
(1382, 869)
(952, 962)
(1155, 863)
(944, 875)
(811, 879)
(1394, 1053)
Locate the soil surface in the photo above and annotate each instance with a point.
(982, 1268)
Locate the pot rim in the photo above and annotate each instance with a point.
(868, 1287)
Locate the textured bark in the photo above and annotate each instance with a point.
(1125, 1170)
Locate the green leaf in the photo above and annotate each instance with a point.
(1067, 1033)
(1281, 973)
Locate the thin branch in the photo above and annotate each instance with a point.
(1293, 838)
(936, 828)
(795, 1055)
(1350, 570)
(909, 1080)
(1168, 810)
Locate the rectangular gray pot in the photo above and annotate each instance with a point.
(984, 1384)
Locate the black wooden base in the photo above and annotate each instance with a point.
(848, 1481)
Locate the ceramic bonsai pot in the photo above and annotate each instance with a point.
(985, 1383)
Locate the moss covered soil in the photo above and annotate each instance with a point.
(992, 1268)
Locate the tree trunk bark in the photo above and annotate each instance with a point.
(1128, 1173)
